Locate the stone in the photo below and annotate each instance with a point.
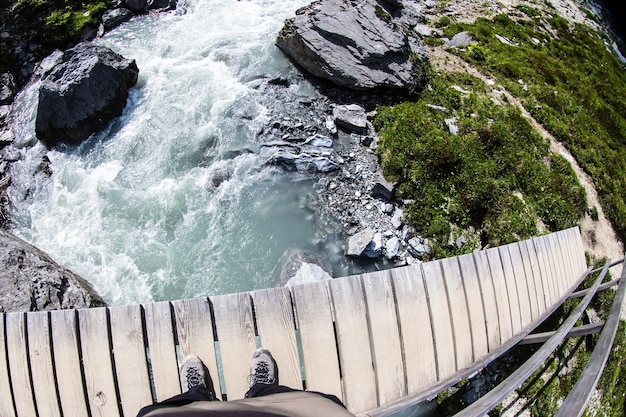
(397, 218)
(375, 248)
(460, 40)
(330, 125)
(351, 117)
(350, 45)
(115, 17)
(319, 141)
(302, 162)
(453, 128)
(304, 267)
(83, 93)
(136, 5)
(30, 280)
(8, 88)
(357, 243)
(160, 4)
(392, 247)
(381, 192)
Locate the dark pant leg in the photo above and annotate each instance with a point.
(261, 390)
(197, 393)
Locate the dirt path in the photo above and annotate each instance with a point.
(598, 235)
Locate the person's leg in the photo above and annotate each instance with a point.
(196, 385)
(264, 378)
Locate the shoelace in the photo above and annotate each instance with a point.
(193, 378)
(262, 374)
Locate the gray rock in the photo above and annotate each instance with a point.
(136, 5)
(460, 40)
(319, 141)
(351, 117)
(357, 243)
(115, 17)
(304, 267)
(392, 247)
(453, 128)
(375, 248)
(397, 218)
(329, 123)
(31, 281)
(8, 88)
(83, 93)
(348, 44)
(302, 162)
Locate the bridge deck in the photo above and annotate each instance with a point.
(370, 339)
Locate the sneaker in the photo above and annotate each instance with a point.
(263, 369)
(192, 373)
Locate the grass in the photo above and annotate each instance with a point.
(496, 175)
(570, 83)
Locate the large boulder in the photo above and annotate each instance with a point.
(30, 280)
(82, 93)
(353, 44)
(303, 268)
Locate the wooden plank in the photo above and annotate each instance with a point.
(317, 335)
(6, 396)
(277, 329)
(502, 296)
(580, 252)
(234, 321)
(562, 252)
(97, 362)
(490, 301)
(531, 263)
(459, 311)
(546, 271)
(161, 345)
(353, 343)
(18, 361)
(518, 292)
(129, 353)
(42, 370)
(556, 260)
(475, 305)
(525, 285)
(441, 320)
(194, 326)
(416, 328)
(385, 336)
(67, 362)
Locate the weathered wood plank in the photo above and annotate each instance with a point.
(194, 326)
(475, 305)
(416, 329)
(6, 397)
(459, 311)
(129, 353)
(94, 331)
(67, 362)
(161, 344)
(531, 265)
(277, 329)
(493, 315)
(546, 271)
(441, 320)
(502, 295)
(353, 341)
(567, 272)
(385, 336)
(525, 284)
(234, 321)
(317, 335)
(41, 366)
(18, 361)
(518, 291)
(555, 257)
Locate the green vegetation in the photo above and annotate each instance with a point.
(58, 23)
(570, 83)
(496, 175)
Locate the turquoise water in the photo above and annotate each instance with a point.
(137, 209)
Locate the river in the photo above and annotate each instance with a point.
(136, 209)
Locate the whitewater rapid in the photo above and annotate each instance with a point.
(168, 202)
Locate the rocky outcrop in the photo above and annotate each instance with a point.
(355, 44)
(303, 268)
(82, 93)
(31, 281)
